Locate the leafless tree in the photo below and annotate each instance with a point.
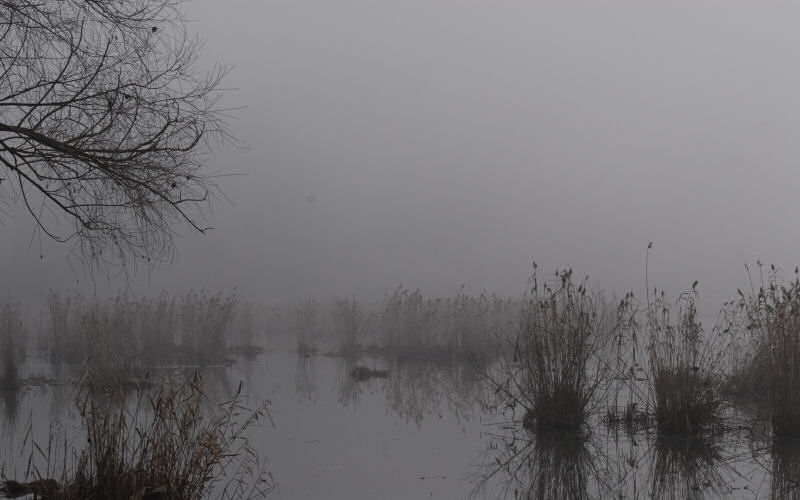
(105, 122)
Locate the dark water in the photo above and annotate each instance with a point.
(422, 430)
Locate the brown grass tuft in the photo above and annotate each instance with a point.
(564, 328)
(684, 367)
(166, 447)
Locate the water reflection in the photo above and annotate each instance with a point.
(11, 400)
(544, 465)
(414, 389)
(394, 407)
(417, 389)
(562, 464)
(687, 467)
(358, 376)
(305, 378)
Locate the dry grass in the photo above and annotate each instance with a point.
(766, 324)
(166, 447)
(11, 349)
(205, 318)
(307, 325)
(67, 342)
(405, 325)
(410, 324)
(347, 322)
(564, 328)
(684, 367)
(120, 335)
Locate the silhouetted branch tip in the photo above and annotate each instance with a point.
(105, 121)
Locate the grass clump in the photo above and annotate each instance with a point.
(411, 325)
(67, 342)
(684, 367)
(564, 327)
(348, 320)
(121, 335)
(11, 333)
(768, 323)
(166, 447)
(307, 325)
(205, 319)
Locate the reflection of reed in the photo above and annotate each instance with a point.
(686, 467)
(10, 406)
(543, 465)
(420, 388)
(305, 377)
(561, 467)
(414, 389)
(785, 469)
(350, 387)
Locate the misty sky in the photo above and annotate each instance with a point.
(434, 143)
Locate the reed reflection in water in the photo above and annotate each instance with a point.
(405, 417)
(608, 464)
(544, 465)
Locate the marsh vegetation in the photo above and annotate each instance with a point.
(163, 445)
(566, 390)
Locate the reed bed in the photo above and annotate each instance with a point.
(12, 347)
(767, 323)
(165, 447)
(404, 325)
(120, 338)
(66, 340)
(205, 318)
(307, 325)
(563, 349)
(189, 328)
(347, 323)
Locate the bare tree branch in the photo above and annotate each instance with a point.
(105, 122)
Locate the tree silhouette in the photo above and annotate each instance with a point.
(105, 122)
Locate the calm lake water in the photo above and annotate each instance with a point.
(423, 430)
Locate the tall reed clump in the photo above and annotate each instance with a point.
(684, 366)
(67, 340)
(347, 322)
(628, 383)
(563, 328)
(165, 447)
(770, 322)
(157, 325)
(469, 334)
(11, 334)
(306, 325)
(244, 326)
(205, 318)
(409, 323)
(110, 339)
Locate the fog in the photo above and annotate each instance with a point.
(434, 144)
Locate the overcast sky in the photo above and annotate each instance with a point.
(435, 143)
